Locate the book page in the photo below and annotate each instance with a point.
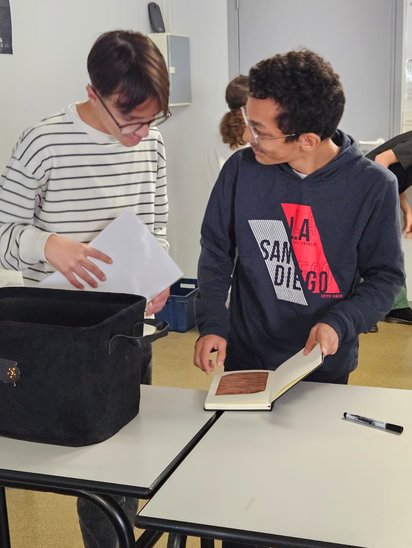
(254, 396)
(293, 370)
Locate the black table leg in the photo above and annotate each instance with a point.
(148, 539)
(4, 521)
(176, 541)
(116, 515)
(207, 543)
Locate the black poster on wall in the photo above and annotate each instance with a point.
(6, 45)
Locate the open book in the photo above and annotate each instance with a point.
(257, 388)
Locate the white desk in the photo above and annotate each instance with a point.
(134, 462)
(299, 475)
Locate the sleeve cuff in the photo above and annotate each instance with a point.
(32, 245)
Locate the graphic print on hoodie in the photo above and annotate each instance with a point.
(299, 261)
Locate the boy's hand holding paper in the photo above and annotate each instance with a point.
(140, 265)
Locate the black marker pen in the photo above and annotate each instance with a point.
(374, 423)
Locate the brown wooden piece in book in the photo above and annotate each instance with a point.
(242, 383)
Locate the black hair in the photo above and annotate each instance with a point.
(306, 89)
(130, 64)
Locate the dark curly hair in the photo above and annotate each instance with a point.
(232, 125)
(130, 64)
(305, 87)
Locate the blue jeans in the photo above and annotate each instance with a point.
(96, 528)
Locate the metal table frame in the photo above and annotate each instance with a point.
(180, 408)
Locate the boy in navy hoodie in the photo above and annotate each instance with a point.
(300, 226)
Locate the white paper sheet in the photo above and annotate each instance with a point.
(140, 264)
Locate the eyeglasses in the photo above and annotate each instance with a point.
(255, 135)
(132, 127)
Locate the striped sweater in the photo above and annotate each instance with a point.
(67, 178)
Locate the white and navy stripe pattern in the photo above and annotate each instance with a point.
(65, 177)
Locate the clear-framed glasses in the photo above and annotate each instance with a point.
(255, 135)
(132, 127)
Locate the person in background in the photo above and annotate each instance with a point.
(74, 172)
(231, 127)
(301, 226)
(396, 155)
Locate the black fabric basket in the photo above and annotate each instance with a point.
(70, 363)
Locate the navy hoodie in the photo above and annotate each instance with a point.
(295, 252)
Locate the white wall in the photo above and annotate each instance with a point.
(188, 139)
(51, 40)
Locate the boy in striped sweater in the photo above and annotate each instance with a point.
(75, 171)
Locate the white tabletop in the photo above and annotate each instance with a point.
(300, 471)
(132, 462)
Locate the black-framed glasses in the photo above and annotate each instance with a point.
(255, 135)
(132, 127)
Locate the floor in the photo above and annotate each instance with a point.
(43, 520)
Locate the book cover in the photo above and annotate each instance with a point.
(255, 389)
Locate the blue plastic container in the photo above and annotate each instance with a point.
(179, 311)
